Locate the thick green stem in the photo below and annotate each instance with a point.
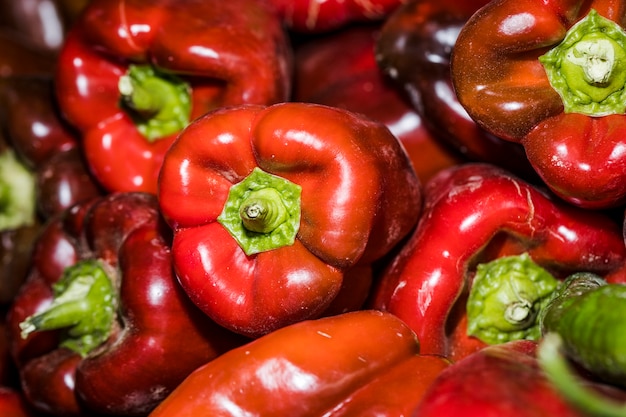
(262, 212)
(588, 68)
(505, 298)
(160, 104)
(17, 193)
(559, 372)
(84, 305)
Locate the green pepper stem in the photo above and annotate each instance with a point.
(262, 212)
(160, 104)
(505, 298)
(17, 193)
(559, 372)
(588, 68)
(84, 304)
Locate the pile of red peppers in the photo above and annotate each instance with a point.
(312, 208)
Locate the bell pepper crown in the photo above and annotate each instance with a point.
(18, 204)
(588, 68)
(84, 305)
(158, 103)
(262, 212)
(505, 298)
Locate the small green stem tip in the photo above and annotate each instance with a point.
(18, 198)
(84, 305)
(262, 212)
(159, 103)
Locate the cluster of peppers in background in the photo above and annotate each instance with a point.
(307, 208)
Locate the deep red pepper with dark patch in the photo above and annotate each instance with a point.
(550, 75)
(101, 324)
(414, 49)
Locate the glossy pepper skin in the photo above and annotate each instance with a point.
(474, 213)
(203, 55)
(376, 370)
(151, 336)
(358, 197)
(316, 16)
(340, 70)
(502, 84)
(510, 382)
(414, 48)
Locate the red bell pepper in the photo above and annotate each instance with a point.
(272, 207)
(315, 16)
(550, 76)
(340, 70)
(474, 213)
(363, 363)
(413, 49)
(500, 380)
(132, 74)
(101, 324)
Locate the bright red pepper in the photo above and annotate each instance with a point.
(529, 72)
(315, 16)
(413, 49)
(273, 206)
(132, 74)
(340, 70)
(474, 213)
(500, 380)
(363, 363)
(101, 324)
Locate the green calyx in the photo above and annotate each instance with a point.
(159, 103)
(84, 305)
(505, 299)
(588, 68)
(17, 193)
(262, 212)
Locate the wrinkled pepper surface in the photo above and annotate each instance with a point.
(414, 48)
(273, 208)
(132, 74)
(340, 70)
(550, 75)
(475, 213)
(101, 325)
(499, 380)
(363, 363)
(316, 16)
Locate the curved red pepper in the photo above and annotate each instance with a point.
(12, 404)
(355, 364)
(500, 380)
(414, 48)
(315, 16)
(474, 213)
(224, 52)
(359, 197)
(504, 87)
(340, 70)
(156, 337)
